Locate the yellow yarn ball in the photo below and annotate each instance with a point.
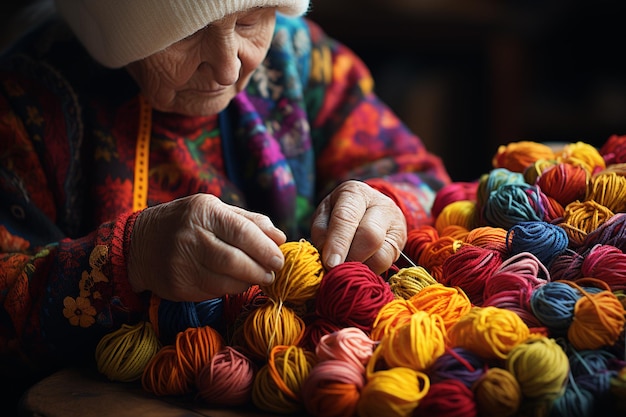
(268, 326)
(458, 213)
(582, 154)
(541, 368)
(409, 281)
(609, 190)
(393, 314)
(497, 393)
(415, 345)
(299, 279)
(394, 392)
(123, 354)
(489, 332)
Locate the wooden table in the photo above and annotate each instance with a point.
(82, 393)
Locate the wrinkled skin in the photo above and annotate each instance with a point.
(198, 247)
(358, 223)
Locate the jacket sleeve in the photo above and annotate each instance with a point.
(359, 137)
(58, 295)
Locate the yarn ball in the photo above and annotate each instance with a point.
(316, 328)
(460, 213)
(598, 320)
(488, 237)
(564, 182)
(394, 392)
(176, 316)
(534, 171)
(351, 295)
(277, 386)
(511, 204)
(393, 314)
(608, 189)
(540, 366)
(613, 151)
(450, 303)
(583, 217)
(123, 355)
(449, 398)
(418, 239)
(414, 345)
(606, 263)
(492, 181)
(610, 231)
(489, 332)
(269, 326)
(459, 364)
(227, 379)
(567, 266)
(497, 393)
(174, 368)
(517, 156)
(349, 344)
(583, 154)
(434, 255)
(553, 304)
(407, 282)
(575, 402)
(451, 192)
(298, 280)
(544, 240)
(468, 268)
(527, 266)
(333, 389)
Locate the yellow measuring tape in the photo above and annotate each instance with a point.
(142, 153)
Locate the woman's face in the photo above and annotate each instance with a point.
(201, 74)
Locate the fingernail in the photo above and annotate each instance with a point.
(269, 277)
(333, 260)
(276, 263)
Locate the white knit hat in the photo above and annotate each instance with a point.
(116, 32)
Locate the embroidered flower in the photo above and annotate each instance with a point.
(79, 311)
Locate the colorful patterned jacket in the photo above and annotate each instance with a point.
(308, 120)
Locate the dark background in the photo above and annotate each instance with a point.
(469, 75)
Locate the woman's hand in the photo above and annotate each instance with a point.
(355, 222)
(196, 248)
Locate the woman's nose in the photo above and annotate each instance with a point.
(222, 56)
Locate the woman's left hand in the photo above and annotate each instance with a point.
(355, 222)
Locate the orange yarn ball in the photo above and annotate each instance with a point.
(395, 313)
(598, 321)
(565, 183)
(278, 384)
(517, 156)
(450, 303)
(174, 369)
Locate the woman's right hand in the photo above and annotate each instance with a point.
(198, 247)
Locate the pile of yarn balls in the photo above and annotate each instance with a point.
(512, 303)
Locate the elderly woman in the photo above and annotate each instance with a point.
(168, 147)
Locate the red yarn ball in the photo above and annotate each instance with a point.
(564, 182)
(469, 268)
(614, 150)
(351, 295)
(455, 191)
(448, 398)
